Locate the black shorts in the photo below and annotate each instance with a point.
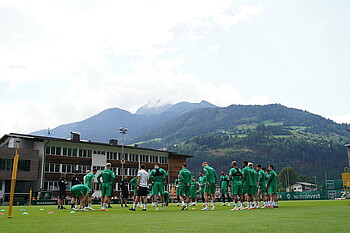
(142, 191)
(62, 194)
(125, 194)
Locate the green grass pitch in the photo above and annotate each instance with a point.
(292, 216)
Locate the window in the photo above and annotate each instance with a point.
(111, 155)
(133, 157)
(51, 150)
(69, 151)
(89, 153)
(24, 165)
(52, 167)
(99, 168)
(69, 168)
(75, 152)
(50, 185)
(144, 158)
(133, 171)
(124, 172)
(84, 168)
(97, 186)
(153, 159)
(83, 153)
(115, 170)
(163, 159)
(6, 164)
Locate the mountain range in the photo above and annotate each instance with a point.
(265, 134)
(105, 125)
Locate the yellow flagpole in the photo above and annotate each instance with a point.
(13, 182)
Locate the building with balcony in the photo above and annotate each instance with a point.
(43, 159)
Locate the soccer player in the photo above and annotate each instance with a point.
(80, 193)
(261, 185)
(75, 181)
(224, 182)
(142, 188)
(177, 186)
(267, 176)
(185, 186)
(236, 188)
(89, 182)
(166, 198)
(210, 187)
(202, 180)
(272, 187)
(254, 188)
(193, 191)
(134, 184)
(124, 184)
(108, 178)
(247, 184)
(159, 176)
(62, 184)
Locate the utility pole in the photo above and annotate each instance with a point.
(122, 131)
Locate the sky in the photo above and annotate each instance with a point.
(64, 61)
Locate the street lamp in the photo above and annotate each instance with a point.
(122, 131)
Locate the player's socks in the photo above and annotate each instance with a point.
(163, 204)
(134, 205)
(183, 203)
(144, 206)
(250, 205)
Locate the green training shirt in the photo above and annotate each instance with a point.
(158, 175)
(185, 176)
(262, 177)
(236, 175)
(247, 177)
(88, 178)
(273, 179)
(254, 175)
(107, 176)
(134, 181)
(210, 174)
(224, 180)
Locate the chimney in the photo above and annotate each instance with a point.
(113, 142)
(75, 136)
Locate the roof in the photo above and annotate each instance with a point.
(305, 183)
(42, 138)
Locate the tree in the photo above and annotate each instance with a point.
(287, 177)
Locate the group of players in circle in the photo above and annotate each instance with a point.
(246, 185)
(249, 185)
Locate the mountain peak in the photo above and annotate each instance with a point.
(154, 107)
(160, 106)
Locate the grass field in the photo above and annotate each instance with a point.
(292, 216)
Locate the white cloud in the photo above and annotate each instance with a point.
(341, 118)
(70, 44)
